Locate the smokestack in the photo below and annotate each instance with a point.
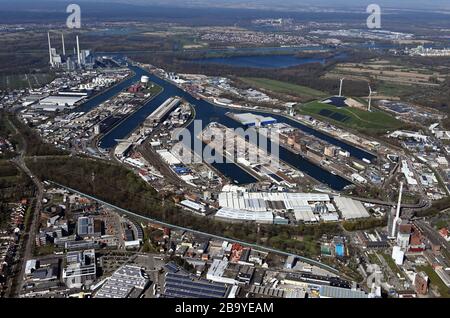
(49, 49)
(78, 51)
(370, 98)
(340, 87)
(64, 46)
(397, 214)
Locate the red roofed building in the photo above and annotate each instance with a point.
(417, 241)
(444, 233)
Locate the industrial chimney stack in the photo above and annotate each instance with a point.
(63, 45)
(50, 49)
(78, 52)
(397, 214)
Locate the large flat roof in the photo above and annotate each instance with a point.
(351, 209)
(268, 201)
(241, 215)
(61, 100)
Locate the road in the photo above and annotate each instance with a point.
(255, 246)
(422, 205)
(433, 234)
(30, 236)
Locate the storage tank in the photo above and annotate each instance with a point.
(145, 79)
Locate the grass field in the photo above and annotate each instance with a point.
(21, 81)
(355, 118)
(435, 280)
(374, 258)
(393, 89)
(392, 264)
(283, 87)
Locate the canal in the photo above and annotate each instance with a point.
(207, 112)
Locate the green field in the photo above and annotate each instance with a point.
(393, 89)
(21, 81)
(392, 264)
(355, 118)
(374, 258)
(283, 87)
(435, 280)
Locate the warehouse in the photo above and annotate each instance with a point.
(158, 115)
(218, 272)
(123, 149)
(168, 157)
(236, 215)
(338, 292)
(268, 201)
(184, 285)
(305, 214)
(252, 120)
(193, 206)
(351, 209)
(126, 282)
(66, 101)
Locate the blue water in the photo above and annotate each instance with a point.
(207, 112)
(261, 61)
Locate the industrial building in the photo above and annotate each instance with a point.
(89, 227)
(270, 201)
(123, 149)
(261, 205)
(158, 115)
(338, 292)
(80, 269)
(168, 157)
(80, 58)
(126, 282)
(351, 209)
(230, 214)
(217, 272)
(252, 120)
(58, 103)
(183, 285)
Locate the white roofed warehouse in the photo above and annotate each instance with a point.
(262, 207)
(351, 209)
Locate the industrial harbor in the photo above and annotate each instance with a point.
(242, 155)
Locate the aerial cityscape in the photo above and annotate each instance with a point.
(220, 149)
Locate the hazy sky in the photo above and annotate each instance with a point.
(408, 4)
(267, 4)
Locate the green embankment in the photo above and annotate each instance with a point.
(283, 87)
(351, 117)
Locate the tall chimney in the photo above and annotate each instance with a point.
(397, 214)
(50, 49)
(78, 51)
(340, 87)
(64, 46)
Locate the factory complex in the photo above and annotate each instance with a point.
(280, 207)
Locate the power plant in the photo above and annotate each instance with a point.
(80, 58)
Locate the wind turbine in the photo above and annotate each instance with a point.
(340, 87)
(370, 98)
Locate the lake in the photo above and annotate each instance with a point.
(272, 61)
